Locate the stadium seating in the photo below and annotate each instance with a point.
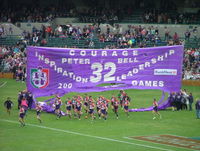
(9, 40)
(136, 17)
(84, 43)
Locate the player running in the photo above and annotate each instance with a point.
(58, 103)
(69, 108)
(21, 116)
(113, 99)
(126, 106)
(86, 103)
(91, 109)
(103, 110)
(38, 111)
(155, 109)
(115, 107)
(74, 99)
(78, 108)
(121, 97)
(98, 106)
(8, 105)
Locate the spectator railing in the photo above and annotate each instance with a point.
(85, 42)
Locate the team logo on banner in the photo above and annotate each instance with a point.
(40, 77)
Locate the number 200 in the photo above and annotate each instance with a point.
(98, 68)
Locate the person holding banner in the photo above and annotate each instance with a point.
(155, 109)
(29, 99)
(171, 99)
(178, 101)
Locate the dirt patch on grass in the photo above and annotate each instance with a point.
(177, 141)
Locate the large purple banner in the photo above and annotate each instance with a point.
(62, 70)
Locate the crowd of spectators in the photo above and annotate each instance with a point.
(168, 13)
(132, 37)
(191, 64)
(96, 14)
(155, 16)
(102, 15)
(112, 37)
(6, 29)
(35, 13)
(40, 36)
(13, 59)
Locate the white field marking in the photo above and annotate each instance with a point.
(86, 135)
(3, 84)
(159, 143)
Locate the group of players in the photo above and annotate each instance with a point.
(77, 105)
(74, 107)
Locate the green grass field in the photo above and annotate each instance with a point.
(99, 135)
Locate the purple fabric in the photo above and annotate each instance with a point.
(59, 71)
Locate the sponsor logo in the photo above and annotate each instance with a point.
(172, 140)
(40, 77)
(165, 72)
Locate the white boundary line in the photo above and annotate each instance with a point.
(3, 84)
(86, 135)
(159, 143)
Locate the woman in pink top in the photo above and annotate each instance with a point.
(24, 104)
